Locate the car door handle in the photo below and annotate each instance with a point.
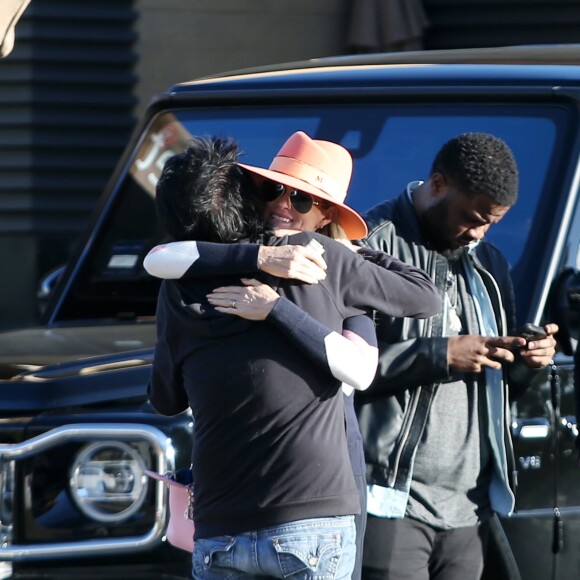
(536, 428)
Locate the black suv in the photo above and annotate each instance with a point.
(77, 431)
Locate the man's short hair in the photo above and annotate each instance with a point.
(479, 163)
(203, 194)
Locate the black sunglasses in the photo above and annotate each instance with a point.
(301, 201)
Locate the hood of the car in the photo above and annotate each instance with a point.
(31, 348)
(44, 368)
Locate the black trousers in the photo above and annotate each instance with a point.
(406, 549)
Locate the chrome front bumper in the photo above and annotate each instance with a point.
(163, 453)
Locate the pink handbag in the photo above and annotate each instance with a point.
(180, 527)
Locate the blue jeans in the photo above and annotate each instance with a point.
(317, 549)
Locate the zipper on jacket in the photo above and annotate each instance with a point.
(435, 273)
(394, 471)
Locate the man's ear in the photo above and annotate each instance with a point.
(438, 185)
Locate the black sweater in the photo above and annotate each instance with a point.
(269, 433)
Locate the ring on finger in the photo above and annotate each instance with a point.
(233, 304)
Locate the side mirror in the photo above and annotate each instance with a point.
(565, 309)
(46, 286)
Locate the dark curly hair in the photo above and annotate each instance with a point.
(479, 163)
(203, 194)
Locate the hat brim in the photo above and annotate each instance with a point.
(352, 223)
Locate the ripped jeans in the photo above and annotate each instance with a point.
(313, 549)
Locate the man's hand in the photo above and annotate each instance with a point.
(303, 263)
(471, 353)
(538, 353)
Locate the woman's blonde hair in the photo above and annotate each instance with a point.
(334, 230)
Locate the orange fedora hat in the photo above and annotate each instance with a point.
(321, 168)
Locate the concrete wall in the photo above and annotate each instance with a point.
(180, 40)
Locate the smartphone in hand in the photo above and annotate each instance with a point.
(531, 331)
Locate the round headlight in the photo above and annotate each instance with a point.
(108, 481)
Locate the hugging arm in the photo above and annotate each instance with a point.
(390, 286)
(401, 289)
(351, 357)
(350, 361)
(191, 259)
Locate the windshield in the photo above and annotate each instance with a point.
(391, 146)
